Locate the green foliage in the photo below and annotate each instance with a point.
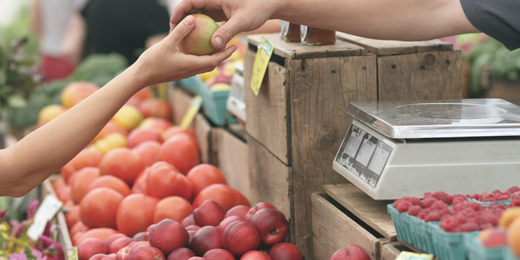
(504, 63)
(99, 68)
(17, 29)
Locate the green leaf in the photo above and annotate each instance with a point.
(16, 101)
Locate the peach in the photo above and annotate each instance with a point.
(240, 210)
(90, 247)
(350, 252)
(168, 235)
(225, 222)
(257, 207)
(218, 254)
(284, 250)
(188, 221)
(119, 243)
(145, 252)
(205, 239)
(198, 41)
(113, 238)
(140, 236)
(240, 237)
(255, 255)
(181, 253)
(209, 213)
(272, 226)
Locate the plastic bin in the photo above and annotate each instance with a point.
(448, 246)
(477, 251)
(401, 223)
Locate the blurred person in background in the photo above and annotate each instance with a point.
(50, 20)
(126, 27)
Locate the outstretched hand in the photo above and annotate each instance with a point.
(239, 16)
(163, 62)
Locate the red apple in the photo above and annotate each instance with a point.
(255, 255)
(209, 213)
(90, 247)
(351, 252)
(240, 237)
(240, 210)
(285, 251)
(257, 207)
(181, 253)
(218, 254)
(272, 226)
(205, 239)
(168, 235)
(146, 253)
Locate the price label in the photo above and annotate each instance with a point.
(192, 111)
(74, 255)
(47, 210)
(413, 256)
(263, 54)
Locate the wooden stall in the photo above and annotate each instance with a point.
(296, 123)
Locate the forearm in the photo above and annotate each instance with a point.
(44, 151)
(381, 19)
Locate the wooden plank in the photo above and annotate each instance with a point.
(387, 47)
(267, 113)
(333, 229)
(372, 212)
(421, 76)
(392, 250)
(233, 161)
(296, 50)
(203, 129)
(320, 90)
(271, 181)
(180, 102)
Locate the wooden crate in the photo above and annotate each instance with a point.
(299, 117)
(232, 158)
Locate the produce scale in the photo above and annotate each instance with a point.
(404, 148)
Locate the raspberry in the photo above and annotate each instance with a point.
(414, 210)
(460, 218)
(428, 202)
(474, 196)
(469, 227)
(433, 216)
(403, 206)
(497, 191)
(439, 205)
(427, 194)
(489, 216)
(459, 207)
(515, 203)
(441, 195)
(449, 223)
(422, 215)
(458, 200)
(503, 197)
(473, 205)
(416, 201)
(485, 225)
(513, 189)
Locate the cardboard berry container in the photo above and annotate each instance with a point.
(477, 251)
(509, 255)
(448, 245)
(422, 234)
(505, 202)
(402, 224)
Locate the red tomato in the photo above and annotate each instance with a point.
(164, 181)
(135, 213)
(72, 216)
(224, 195)
(203, 175)
(175, 207)
(99, 208)
(81, 181)
(122, 163)
(109, 181)
(180, 152)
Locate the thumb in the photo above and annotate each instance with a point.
(182, 29)
(226, 32)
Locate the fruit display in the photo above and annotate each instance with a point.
(209, 233)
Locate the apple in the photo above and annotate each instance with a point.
(272, 226)
(198, 41)
(75, 92)
(240, 237)
(168, 235)
(257, 207)
(350, 252)
(240, 210)
(205, 239)
(145, 252)
(128, 117)
(48, 113)
(285, 251)
(90, 247)
(218, 254)
(181, 253)
(255, 255)
(209, 213)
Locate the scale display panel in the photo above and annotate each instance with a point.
(405, 148)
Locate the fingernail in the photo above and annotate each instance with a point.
(189, 20)
(218, 40)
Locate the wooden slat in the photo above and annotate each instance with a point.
(233, 160)
(271, 180)
(296, 50)
(422, 76)
(333, 229)
(392, 250)
(373, 212)
(64, 238)
(386, 47)
(203, 129)
(267, 113)
(320, 91)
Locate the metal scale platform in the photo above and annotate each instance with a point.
(405, 148)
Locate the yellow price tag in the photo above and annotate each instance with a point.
(263, 54)
(74, 255)
(405, 255)
(192, 111)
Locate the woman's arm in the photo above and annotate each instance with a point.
(43, 152)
